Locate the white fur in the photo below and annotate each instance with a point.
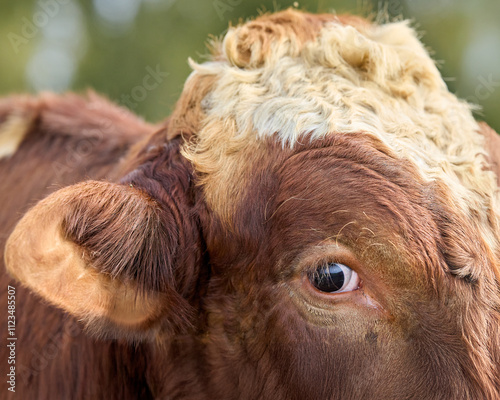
(378, 80)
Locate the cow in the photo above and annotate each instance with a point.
(317, 219)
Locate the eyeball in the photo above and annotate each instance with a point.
(334, 278)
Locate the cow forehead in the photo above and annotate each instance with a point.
(324, 78)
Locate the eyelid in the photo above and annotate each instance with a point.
(327, 254)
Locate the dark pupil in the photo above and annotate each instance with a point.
(329, 278)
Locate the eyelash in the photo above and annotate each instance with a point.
(334, 278)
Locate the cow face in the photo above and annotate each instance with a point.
(321, 224)
(342, 277)
(328, 148)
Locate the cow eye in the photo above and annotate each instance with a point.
(334, 278)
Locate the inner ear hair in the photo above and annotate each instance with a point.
(104, 252)
(124, 232)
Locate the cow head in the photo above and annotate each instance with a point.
(320, 209)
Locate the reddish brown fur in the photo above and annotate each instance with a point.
(72, 139)
(289, 216)
(238, 321)
(281, 26)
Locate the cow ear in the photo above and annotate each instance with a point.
(492, 145)
(107, 254)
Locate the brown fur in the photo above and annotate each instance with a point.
(73, 138)
(394, 210)
(249, 45)
(224, 253)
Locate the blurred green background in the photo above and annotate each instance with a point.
(112, 45)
